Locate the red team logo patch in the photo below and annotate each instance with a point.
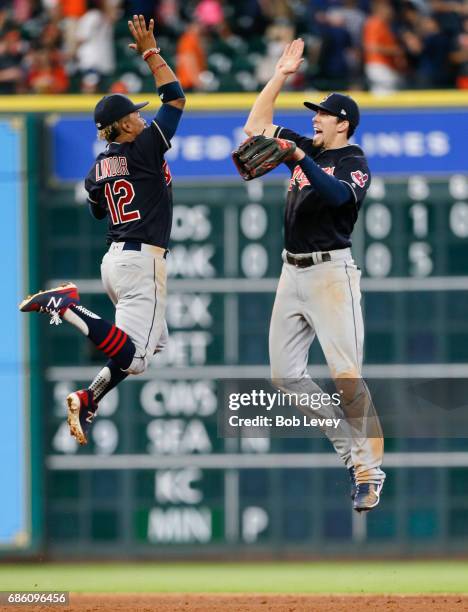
(167, 173)
(359, 178)
(298, 177)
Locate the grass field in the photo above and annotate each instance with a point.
(288, 577)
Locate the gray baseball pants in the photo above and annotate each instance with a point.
(324, 300)
(136, 283)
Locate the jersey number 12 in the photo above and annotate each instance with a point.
(124, 192)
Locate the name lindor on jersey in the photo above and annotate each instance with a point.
(111, 166)
(299, 178)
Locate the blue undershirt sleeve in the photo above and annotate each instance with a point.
(168, 118)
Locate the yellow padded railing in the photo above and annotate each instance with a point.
(240, 101)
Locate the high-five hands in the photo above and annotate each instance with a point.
(144, 37)
(291, 59)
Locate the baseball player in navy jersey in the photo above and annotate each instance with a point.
(319, 289)
(130, 184)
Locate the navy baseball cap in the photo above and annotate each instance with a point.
(112, 108)
(339, 105)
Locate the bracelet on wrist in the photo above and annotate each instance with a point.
(156, 68)
(149, 52)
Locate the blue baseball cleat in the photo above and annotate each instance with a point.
(53, 301)
(81, 413)
(367, 496)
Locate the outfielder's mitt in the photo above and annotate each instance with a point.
(258, 155)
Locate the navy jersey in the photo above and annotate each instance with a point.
(311, 224)
(131, 181)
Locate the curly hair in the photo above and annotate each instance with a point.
(110, 132)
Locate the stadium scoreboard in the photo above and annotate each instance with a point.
(155, 474)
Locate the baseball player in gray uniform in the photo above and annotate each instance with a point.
(319, 289)
(129, 184)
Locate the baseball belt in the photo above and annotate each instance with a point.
(148, 248)
(306, 262)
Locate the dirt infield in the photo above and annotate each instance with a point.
(223, 602)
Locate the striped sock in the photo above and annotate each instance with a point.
(107, 337)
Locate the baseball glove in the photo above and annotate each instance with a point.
(258, 155)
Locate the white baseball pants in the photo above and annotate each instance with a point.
(325, 300)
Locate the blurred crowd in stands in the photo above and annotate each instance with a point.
(59, 46)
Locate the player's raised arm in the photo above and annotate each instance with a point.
(169, 89)
(260, 120)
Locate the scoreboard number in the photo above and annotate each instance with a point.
(419, 255)
(459, 219)
(418, 188)
(412, 226)
(254, 221)
(458, 186)
(378, 260)
(254, 261)
(378, 221)
(254, 521)
(419, 216)
(105, 437)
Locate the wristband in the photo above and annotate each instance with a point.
(171, 91)
(149, 52)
